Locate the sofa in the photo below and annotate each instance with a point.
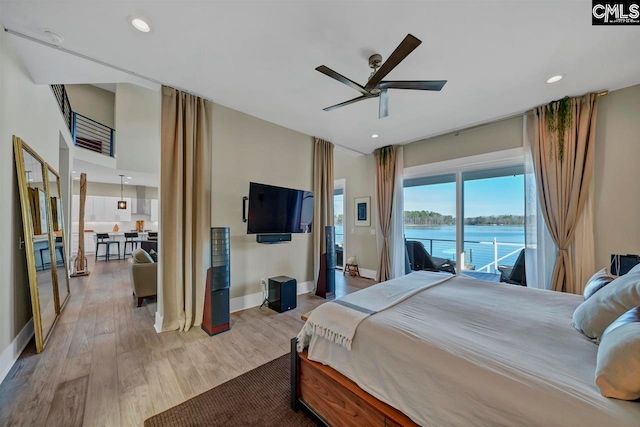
(144, 275)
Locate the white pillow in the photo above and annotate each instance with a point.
(597, 282)
(618, 365)
(594, 315)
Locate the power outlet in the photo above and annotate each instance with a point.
(264, 284)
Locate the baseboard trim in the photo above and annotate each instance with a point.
(369, 274)
(254, 300)
(12, 352)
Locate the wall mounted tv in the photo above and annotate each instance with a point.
(279, 210)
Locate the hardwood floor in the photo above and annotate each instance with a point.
(104, 364)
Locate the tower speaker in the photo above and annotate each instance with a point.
(326, 287)
(216, 299)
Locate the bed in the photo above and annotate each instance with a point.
(461, 352)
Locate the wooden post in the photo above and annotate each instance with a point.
(81, 268)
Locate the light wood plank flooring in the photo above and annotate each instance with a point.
(105, 365)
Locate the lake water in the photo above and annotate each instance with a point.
(479, 248)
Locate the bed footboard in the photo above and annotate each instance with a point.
(330, 398)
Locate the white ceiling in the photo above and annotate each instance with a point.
(260, 57)
(98, 173)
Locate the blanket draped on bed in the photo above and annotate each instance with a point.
(338, 320)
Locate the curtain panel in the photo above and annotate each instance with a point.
(323, 199)
(185, 208)
(386, 180)
(564, 174)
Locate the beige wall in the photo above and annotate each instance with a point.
(93, 102)
(138, 113)
(502, 135)
(30, 112)
(249, 149)
(617, 174)
(113, 190)
(359, 173)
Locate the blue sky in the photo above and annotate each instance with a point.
(483, 197)
(494, 196)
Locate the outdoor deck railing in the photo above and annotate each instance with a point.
(498, 252)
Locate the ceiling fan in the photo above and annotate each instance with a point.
(376, 87)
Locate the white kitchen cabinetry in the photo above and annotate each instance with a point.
(102, 209)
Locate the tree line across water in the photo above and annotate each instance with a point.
(435, 218)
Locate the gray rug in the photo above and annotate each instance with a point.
(257, 398)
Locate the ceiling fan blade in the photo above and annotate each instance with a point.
(402, 51)
(351, 101)
(342, 79)
(383, 109)
(415, 84)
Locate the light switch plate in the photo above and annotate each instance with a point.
(373, 231)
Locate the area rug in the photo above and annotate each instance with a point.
(257, 398)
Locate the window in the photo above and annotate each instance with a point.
(338, 222)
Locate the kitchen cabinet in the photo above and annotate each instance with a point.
(154, 210)
(102, 209)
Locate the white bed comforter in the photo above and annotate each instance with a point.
(474, 353)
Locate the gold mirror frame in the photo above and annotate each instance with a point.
(27, 222)
(53, 219)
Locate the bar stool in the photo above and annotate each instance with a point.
(103, 239)
(153, 235)
(129, 240)
(59, 249)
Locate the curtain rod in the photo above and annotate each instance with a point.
(103, 63)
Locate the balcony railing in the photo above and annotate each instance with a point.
(92, 135)
(489, 254)
(86, 132)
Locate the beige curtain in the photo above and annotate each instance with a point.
(564, 181)
(323, 199)
(185, 207)
(385, 183)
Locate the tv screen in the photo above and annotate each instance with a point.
(279, 210)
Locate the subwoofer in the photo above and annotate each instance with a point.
(326, 287)
(216, 299)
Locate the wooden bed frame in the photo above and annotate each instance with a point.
(330, 398)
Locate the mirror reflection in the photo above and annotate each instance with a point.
(37, 210)
(59, 265)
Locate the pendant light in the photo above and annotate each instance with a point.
(122, 204)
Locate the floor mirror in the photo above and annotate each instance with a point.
(32, 186)
(58, 237)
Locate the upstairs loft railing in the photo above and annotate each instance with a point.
(86, 132)
(92, 135)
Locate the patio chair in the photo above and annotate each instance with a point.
(420, 259)
(515, 274)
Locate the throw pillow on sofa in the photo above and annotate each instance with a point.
(142, 257)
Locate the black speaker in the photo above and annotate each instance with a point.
(326, 287)
(282, 293)
(273, 238)
(216, 300)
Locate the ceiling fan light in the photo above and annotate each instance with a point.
(555, 79)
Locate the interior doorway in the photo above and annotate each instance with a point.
(339, 220)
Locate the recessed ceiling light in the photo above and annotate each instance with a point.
(129, 177)
(375, 135)
(77, 177)
(126, 182)
(74, 171)
(140, 25)
(555, 79)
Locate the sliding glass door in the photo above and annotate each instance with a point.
(493, 218)
(338, 221)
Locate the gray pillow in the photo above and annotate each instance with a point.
(141, 256)
(594, 315)
(618, 367)
(597, 282)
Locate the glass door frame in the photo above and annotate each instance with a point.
(459, 166)
(341, 184)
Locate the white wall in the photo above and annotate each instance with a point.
(30, 112)
(247, 149)
(93, 102)
(137, 124)
(617, 199)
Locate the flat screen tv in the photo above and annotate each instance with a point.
(279, 210)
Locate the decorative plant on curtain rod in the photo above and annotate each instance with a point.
(558, 121)
(384, 156)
